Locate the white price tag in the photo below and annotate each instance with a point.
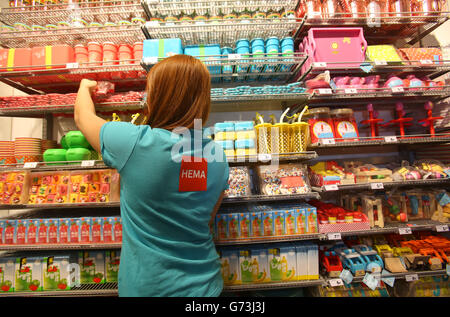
(336, 282)
(411, 277)
(390, 139)
(371, 281)
(380, 62)
(327, 141)
(87, 163)
(346, 276)
(334, 236)
(150, 60)
(324, 91)
(319, 65)
(30, 165)
(442, 228)
(397, 90)
(328, 188)
(387, 278)
(376, 186)
(404, 231)
(264, 157)
(426, 61)
(234, 56)
(72, 65)
(350, 91)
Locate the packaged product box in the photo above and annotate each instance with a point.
(14, 59)
(245, 266)
(267, 223)
(229, 259)
(208, 54)
(279, 228)
(56, 272)
(311, 217)
(2, 231)
(256, 229)
(260, 264)
(51, 57)
(221, 227)
(233, 226)
(52, 228)
(28, 274)
(14, 187)
(85, 230)
(244, 225)
(117, 228)
(97, 229)
(162, 48)
(42, 232)
(32, 231)
(92, 267)
(274, 260)
(302, 261)
(290, 222)
(9, 237)
(112, 261)
(21, 231)
(107, 229)
(7, 270)
(74, 230)
(64, 230)
(313, 261)
(288, 262)
(49, 187)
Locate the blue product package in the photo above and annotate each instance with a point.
(209, 54)
(244, 144)
(243, 126)
(287, 50)
(162, 48)
(224, 127)
(243, 48)
(272, 50)
(226, 69)
(226, 144)
(258, 50)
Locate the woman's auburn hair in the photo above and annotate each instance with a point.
(178, 92)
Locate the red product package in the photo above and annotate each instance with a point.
(103, 89)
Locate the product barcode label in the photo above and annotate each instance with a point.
(264, 157)
(327, 141)
(334, 236)
(87, 163)
(324, 91)
(442, 228)
(390, 139)
(426, 61)
(30, 165)
(411, 277)
(376, 186)
(404, 231)
(328, 188)
(72, 65)
(336, 282)
(380, 62)
(234, 56)
(350, 91)
(397, 89)
(319, 65)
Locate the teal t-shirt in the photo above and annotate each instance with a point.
(166, 200)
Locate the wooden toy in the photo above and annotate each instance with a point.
(373, 261)
(372, 207)
(332, 263)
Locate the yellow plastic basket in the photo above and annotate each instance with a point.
(264, 140)
(283, 131)
(299, 136)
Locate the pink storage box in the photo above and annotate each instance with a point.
(344, 45)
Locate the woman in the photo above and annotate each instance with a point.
(168, 198)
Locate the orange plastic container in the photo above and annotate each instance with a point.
(138, 51)
(109, 53)
(14, 59)
(51, 57)
(81, 54)
(95, 52)
(125, 54)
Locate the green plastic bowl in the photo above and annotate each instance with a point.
(55, 155)
(64, 143)
(78, 154)
(76, 139)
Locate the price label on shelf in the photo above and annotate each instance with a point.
(264, 157)
(30, 165)
(327, 141)
(72, 65)
(335, 282)
(87, 163)
(380, 62)
(387, 278)
(426, 62)
(319, 65)
(397, 90)
(404, 231)
(234, 56)
(390, 139)
(376, 186)
(150, 60)
(350, 91)
(324, 91)
(334, 236)
(346, 276)
(442, 228)
(411, 277)
(329, 188)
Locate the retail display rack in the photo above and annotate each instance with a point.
(378, 28)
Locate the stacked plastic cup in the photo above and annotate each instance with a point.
(226, 69)
(258, 50)
(272, 50)
(287, 51)
(243, 48)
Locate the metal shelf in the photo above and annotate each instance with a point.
(73, 35)
(223, 32)
(384, 27)
(93, 11)
(274, 285)
(213, 8)
(271, 158)
(378, 141)
(43, 167)
(367, 186)
(106, 289)
(267, 198)
(58, 247)
(61, 206)
(274, 239)
(359, 279)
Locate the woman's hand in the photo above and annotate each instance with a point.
(88, 84)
